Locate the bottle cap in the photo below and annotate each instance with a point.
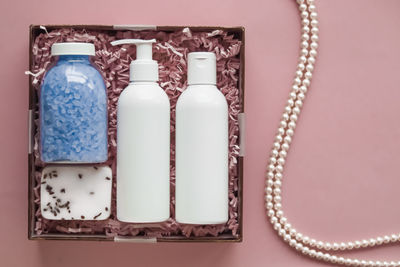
(202, 68)
(59, 49)
(144, 68)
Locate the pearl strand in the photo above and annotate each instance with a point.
(303, 75)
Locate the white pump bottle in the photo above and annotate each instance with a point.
(202, 146)
(143, 142)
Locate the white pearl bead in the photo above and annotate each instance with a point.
(271, 167)
(306, 240)
(305, 250)
(286, 238)
(305, 22)
(313, 242)
(281, 131)
(311, 60)
(328, 246)
(319, 255)
(357, 244)
(313, 253)
(301, 66)
(314, 38)
(393, 238)
(279, 168)
(268, 190)
(314, 30)
(305, 29)
(299, 237)
(379, 240)
(278, 206)
(292, 243)
(302, 60)
(288, 139)
(277, 145)
(313, 15)
(313, 52)
(282, 232)
(279, 175)
(282, 124)
(303, 89)
(342, 246)
(311, 8)
(304, 52)
(288, 226)
(305, 36)
(306, 82)
(341, 260)
(320, 244)
(283, 220)
(314, 45)
(271, 213)
(285, 146)
(279, 213)
(268, 198)
(335, 246)
(350, 245)
(364, 243)
(301, 96)
(372, 242)
(293, 232)
(314, 23)
(269, 205)
(274, 152)
(277, 191)
(386, 239)
(302, 7)
(334, 259)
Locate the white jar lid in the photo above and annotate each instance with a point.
(58, 49)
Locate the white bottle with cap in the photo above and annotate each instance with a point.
(143, 142)
(202, 146)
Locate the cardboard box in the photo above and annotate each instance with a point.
(34, 31)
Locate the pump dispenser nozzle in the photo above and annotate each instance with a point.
(144, 68)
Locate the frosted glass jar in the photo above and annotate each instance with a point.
(73, 108)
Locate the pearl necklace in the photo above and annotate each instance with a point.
(306, 245)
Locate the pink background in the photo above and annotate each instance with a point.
(342, 174)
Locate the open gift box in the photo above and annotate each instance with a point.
(173, 43)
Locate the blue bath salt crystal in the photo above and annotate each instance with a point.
(73, 112)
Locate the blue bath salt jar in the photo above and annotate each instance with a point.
(73, 108)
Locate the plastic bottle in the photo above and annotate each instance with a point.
(73, 107)
(202, 146)
(143, 142)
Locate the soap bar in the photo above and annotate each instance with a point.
(76, 192)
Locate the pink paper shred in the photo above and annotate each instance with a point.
(171, 52)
